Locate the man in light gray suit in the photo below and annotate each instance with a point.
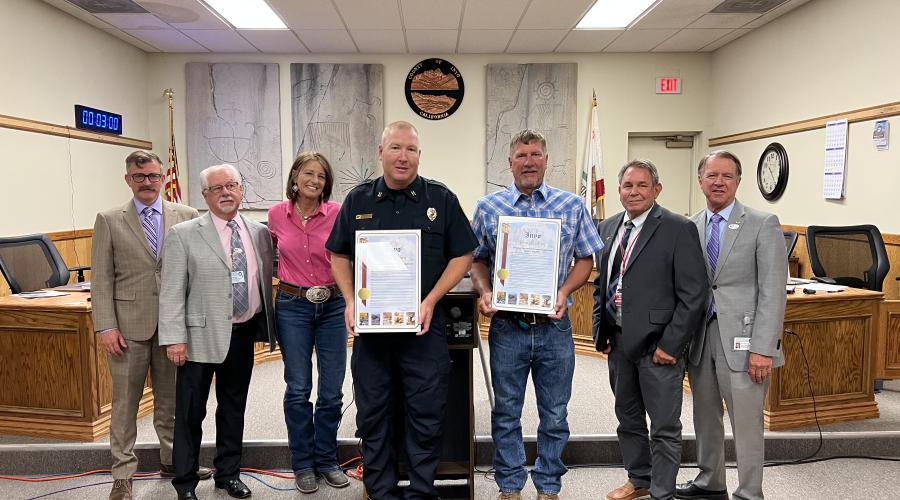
(733, 356)
(215, 301)
(125, 254)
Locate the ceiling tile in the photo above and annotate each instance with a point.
(723, 20)
(495, 14)
(220, 40)
(548, 14)
(308, 14)
(675, 14)
(168, 40)
(274, 41)
(134, 21)
(380, 41)
(368, 14)
(776, 12)
(691, 40)
(79, 13)
(418, 14)
(484, 41)
(328, 41)
(183, 14)
(588, 40)
(431, 41)
(137, 42)
(534, 41)
(721, 42)
(639, 40)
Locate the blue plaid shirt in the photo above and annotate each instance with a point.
(579, 237)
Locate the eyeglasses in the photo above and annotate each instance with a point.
(142, 177)
(217, 189)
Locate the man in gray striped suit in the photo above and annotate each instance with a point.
(215, 301)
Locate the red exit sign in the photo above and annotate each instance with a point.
(668, 85)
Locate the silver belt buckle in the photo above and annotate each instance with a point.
(318, 294)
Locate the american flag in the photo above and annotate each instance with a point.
(173, 188)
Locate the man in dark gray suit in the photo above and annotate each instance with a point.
(649, 296)
(215, 301)
(733, 356)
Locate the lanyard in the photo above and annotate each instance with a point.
(626, 248)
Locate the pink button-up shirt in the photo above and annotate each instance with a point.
(303, 260)
(255, 301)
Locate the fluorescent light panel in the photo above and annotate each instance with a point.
(247, 14)
(613, 13)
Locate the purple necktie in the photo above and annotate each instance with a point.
(149, 224)
(712, 252)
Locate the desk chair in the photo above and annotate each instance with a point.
(32, 262)
(790, 241)
(851, 255)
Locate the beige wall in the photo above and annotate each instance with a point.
(52, 61)
(827, 56)
(454, 148)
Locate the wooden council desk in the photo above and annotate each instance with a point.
(53, 370)
(838, 333)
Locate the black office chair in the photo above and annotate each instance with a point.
(790, 241)
(32, 262)
(850, 255)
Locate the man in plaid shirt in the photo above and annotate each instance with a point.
(523, 342)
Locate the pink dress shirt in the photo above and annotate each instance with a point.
(255, 301)
(303, 260)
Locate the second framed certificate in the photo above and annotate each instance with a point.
(388, 281)
(526, 264)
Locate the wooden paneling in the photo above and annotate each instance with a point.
(854, 116)
(891, 243)
(887, 359)
(73, 246)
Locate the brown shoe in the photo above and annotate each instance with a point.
(121, 489)
(168, 471)
(627, 491)
(547, 496)
(510, 495)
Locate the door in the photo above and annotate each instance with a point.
(675, 165)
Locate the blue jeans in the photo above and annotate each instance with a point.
(548, 352)
(303, 326)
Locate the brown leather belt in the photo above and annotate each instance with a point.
(523, 317)
(314, 294)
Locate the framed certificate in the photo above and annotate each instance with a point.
(387, 280)
(526, 264)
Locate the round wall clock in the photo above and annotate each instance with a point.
(772, 171)
(434, 89)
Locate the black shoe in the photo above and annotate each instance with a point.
(692, 491)
(235, 488)
(187, 495)
(335, 478)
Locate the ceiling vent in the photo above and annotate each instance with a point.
(746, 6)
(109, 6)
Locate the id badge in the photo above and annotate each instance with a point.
(741, 344)
(237, 277)
(617, 298)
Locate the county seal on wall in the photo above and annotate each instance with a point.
(434, 89)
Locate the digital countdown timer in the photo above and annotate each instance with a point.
(97, 120)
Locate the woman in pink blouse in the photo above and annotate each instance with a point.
(310, 314)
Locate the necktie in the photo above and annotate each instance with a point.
(239, 291)
(712, 253)
(614, 272)
(149, 224)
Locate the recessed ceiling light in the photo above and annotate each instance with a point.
(247, 14)
(613, 13)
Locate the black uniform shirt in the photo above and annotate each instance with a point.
(425, 204)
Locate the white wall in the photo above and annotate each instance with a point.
(52, 61)
(454, 148)
(827, 56)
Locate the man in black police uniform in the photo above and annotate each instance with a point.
(401, 199)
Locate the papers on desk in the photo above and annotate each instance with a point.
(40, 294)
(798, 281)
(819, 287)
(75, 287)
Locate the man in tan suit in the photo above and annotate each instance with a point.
(125, 297)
